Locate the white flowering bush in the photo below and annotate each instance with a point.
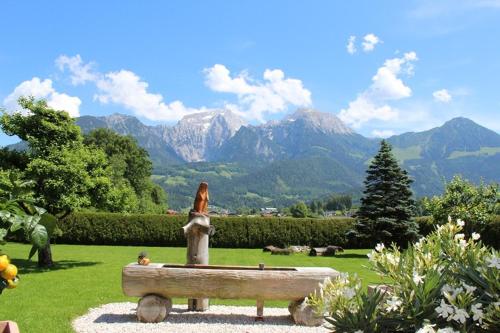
(442, 283)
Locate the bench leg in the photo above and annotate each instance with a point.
(303, 314)
(260, 310)
(153, 308)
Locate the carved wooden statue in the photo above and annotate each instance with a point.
(197, 232)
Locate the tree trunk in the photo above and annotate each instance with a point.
(45, 256)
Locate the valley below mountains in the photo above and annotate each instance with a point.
(307, 155)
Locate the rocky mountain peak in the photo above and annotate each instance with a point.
(204, 120)
(322, 121)
(195, 136)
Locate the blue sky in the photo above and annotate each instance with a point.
(412, 64)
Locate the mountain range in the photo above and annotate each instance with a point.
(306, 155)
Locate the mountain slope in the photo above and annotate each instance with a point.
(148, 137)
(306, 155)
(306, 133)
(192, 139)
(460, 146)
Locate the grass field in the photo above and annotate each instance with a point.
(87, 276)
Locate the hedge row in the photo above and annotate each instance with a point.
(231, 232)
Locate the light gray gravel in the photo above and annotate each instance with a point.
(120, 318)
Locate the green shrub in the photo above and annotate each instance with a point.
(490, 234)
(442, 283)
(425, 225)
(230, 232)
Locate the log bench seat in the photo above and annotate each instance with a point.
(158, 283)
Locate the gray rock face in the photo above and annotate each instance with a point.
(196, 136)
(305, 133)
(321, 121)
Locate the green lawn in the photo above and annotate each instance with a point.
(87, 276)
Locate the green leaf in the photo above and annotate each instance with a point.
(49, 222)
(33, 251)
(3, 233)
(32, 222)
(17, 223)
(4, 215)
(5, 187)
(39, 236)
(40, 210)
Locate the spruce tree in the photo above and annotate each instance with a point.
(387, 207)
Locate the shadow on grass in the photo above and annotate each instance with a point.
(350, 256)
(31, 266)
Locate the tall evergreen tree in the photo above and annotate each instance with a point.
(387, 207)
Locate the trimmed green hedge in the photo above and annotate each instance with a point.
(230, 232)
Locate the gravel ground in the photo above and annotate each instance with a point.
(120, 318)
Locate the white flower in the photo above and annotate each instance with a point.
(493, 262)
(477, 312)
(460, 315)
(349, 293)
(358, 331)
(452, 295)
(379, 247)
(418, 278)
(459, 236)
(462, 243)
(444, 310)
(418, 245)
(469, 289)
(446, 289)
(460, 223)
(475, 236)
(393, 304)
(449, 219)
(391, 259)
(447, 330)
(427, 329)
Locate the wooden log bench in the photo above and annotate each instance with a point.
(328, 251)
(157, 284)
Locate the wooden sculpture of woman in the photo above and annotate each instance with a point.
(201, 199)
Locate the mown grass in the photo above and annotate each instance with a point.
(87, 276)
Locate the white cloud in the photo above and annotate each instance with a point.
(386, 83)
(80, 72)
(124, 88)
(442, 96)
(351, 47)
(382, 133)
(386, 86)
(127, 89)
(256, 99)
(369, 42)
(362, 110)
(43, 89)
